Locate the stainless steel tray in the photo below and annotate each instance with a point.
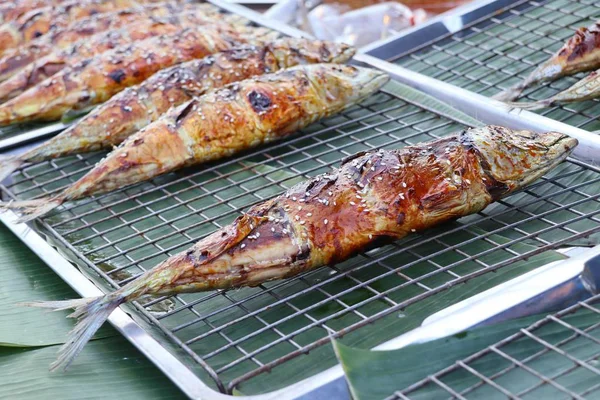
(196, 340)
(488, 46)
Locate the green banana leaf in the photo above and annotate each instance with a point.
(24, 277)
(378, 374)
(108, 368)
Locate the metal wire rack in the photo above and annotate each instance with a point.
(498, 50)
(237, 336)
(560, 361)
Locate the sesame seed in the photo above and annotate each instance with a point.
(299, 208)
(379, 178)
(243, 245)
(370, 236)
(352, 203)
(413, 230)
(297, 218)
(325, 221)
(309, 214)
(403, 184)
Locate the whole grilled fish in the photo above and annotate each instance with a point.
(58, 39)
(38, 22)
(95, 80)
(54, 62)
(383, 194)
(587, 88)
(581, 53)
(225, 121)
(135, 107)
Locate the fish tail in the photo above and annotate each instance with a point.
(8, 165)
(510, 94)
(90, 312)
(32, 209)
(534, 105)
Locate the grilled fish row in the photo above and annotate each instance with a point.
(49, 65)
(373, 196)
(59, 38)
(95, 80)
(222, 122)
(38, 22)
(134, 108)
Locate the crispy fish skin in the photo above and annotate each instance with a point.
(59, 38)
(54, 62)
(587, 88)
(225, 121)
(38, 22)
(380, 195)
(95, 80)
(581, 53)
(135, 107)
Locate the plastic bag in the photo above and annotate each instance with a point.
(364, 25)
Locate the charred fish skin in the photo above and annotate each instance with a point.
(587, 88)
(95, 80)
(59, 38)
(38, 22)
(383, 194)
(238, 117)
(581, 53)
(52, 63)
(135, 107)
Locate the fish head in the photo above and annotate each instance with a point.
(297, 51)
(345, 84)
(515, 159)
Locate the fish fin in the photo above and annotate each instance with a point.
(32, 209)
(90, 312)
(510, 94)
(8, 165)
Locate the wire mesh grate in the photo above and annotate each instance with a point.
(237, 336)
(499, 50)
(555, 357)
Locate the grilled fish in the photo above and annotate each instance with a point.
(95, 80)
(54, 62)
(135, 107)
(587, 88)
(59, 38)
(225, 121)
(380, 195)
(581, 53)
(39, 21)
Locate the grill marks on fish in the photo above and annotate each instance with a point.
(102, 76)
(581, 53)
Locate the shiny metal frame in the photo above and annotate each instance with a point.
(330, 382)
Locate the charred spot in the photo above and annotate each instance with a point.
(259, 102)
(400, 218)
(117, 75)
(184, 112)
(354, 156)
(324, 52)
(37, 34)
(303, 254)
(137, 142)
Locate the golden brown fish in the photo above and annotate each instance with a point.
(38, 22)
(54, 62)
(13, 60)
(219, 124)
(581, 53)
(95, 80)
(138, 106)
(376, 196)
